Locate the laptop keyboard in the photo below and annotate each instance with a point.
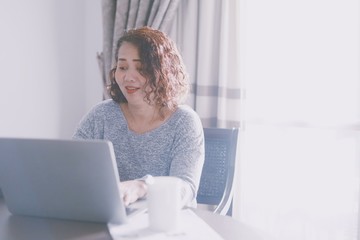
(137, 207)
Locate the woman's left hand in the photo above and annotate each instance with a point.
(132, 190)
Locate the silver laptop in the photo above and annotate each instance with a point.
(65, 179)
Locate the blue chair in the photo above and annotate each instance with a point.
(216, 183)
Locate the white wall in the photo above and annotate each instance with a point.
(49, 76)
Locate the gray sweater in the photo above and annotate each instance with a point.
(175, 148)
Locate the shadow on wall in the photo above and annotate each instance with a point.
(70, 38)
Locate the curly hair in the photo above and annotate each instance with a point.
(162, 66)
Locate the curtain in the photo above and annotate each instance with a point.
(207, 35)
(120, 15)
(206, 32)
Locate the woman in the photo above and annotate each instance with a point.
(151, 132)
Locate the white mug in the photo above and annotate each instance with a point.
(164, 204)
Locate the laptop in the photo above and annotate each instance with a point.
(63, 179)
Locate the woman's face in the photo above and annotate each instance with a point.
(128, 74)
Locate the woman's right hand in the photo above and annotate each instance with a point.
(132, 190)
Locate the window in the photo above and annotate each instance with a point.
(300, 153)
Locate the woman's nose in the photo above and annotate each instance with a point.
(129, 76)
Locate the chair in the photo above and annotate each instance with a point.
(216, 183)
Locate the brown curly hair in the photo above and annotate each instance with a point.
(162, 66)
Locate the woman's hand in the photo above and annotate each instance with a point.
(132, 190)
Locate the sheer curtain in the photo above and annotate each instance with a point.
(206, 32)
(300, 153)
(207, 35)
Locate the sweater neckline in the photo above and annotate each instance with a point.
(155, 130)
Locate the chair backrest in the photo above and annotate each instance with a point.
(216, 183)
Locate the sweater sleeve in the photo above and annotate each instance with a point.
(188, 154)
(91, 125)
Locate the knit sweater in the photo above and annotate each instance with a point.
(175, 148)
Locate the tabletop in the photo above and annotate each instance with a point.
(20, 228)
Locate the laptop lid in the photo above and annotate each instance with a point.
(65, 179)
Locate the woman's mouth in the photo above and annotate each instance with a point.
(131, 90)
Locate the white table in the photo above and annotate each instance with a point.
(28, 228)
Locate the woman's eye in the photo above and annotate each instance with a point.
(121, 68)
